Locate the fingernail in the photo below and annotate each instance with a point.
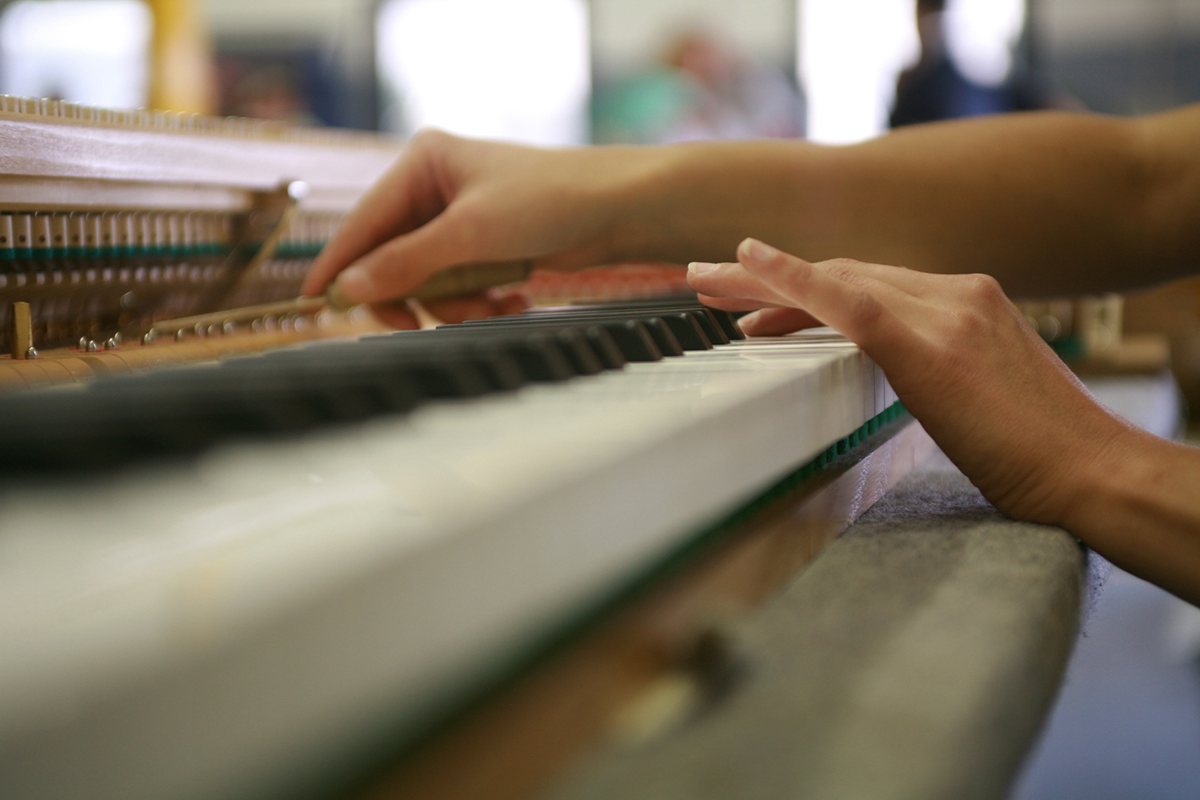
(759, 251)
(356, 284)
(701, 267)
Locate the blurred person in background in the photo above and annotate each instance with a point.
(936, 89)
(700, 89)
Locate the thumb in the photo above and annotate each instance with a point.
(398, 266)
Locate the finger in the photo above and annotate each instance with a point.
(406, 197)
(859, 306)
(476, 305)
(909, 281)
(777, 321)
(732, 303)
(509, 301)
(397, 267)
(734, 281)
(395, 315)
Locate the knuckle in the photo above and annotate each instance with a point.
(866, 310)
(984, 288)
(964, 325)
(845, 269)
(428, 138)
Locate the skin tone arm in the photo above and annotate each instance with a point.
(999, 403)
(1048, 203)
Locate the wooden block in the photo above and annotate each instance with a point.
(20, 334)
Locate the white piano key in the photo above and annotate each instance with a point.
(359, 575)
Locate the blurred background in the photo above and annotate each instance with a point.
(576, 71)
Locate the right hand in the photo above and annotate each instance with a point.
(960, 356)
(450, 201)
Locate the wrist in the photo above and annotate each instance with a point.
(1097, 477)
(644, 201)
(697, 201)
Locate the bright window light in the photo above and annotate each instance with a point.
(85, 51)
(516, 70)
(851, 53)
(981, 34)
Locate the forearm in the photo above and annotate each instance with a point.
(1140, 508)
(1047, 203)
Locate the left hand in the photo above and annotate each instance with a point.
(960, 356)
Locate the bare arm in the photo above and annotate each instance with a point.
(1049, 203)
(998, 402)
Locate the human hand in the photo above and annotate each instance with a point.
(961, 358)
(450, 201)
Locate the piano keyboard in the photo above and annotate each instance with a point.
(245, 579)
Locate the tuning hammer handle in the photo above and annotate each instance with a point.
(452, 281)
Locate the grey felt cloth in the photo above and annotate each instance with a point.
(915, 658)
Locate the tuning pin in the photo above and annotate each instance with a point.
(31, 352)
(83, 343)
(92, 347)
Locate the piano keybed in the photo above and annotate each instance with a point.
(240, 563)
(408, 552)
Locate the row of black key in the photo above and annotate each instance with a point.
(187, 408)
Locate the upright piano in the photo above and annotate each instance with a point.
(264, 556)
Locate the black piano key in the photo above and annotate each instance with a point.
(728, 323)
(726, 320)
(337, 391)
(657, 328)
(214, 396)
(540, 355)
(85, 429)
(617, 341)
(633, 339)
(601, 341)
(707, 324)
(424, 373)
(685, 330)
(493, 361)
(579, 351)
(575, 349)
